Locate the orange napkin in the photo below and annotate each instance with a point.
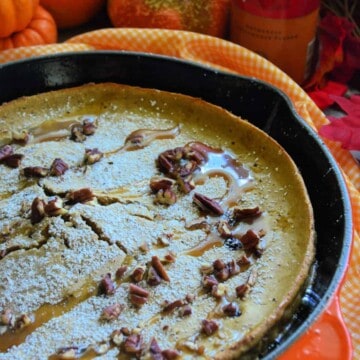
(221, 54)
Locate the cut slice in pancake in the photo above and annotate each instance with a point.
(158, 225)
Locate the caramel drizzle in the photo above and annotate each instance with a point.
(219, 163)
(211, 241)
(52, 130)
(224, 165)
(141, 138)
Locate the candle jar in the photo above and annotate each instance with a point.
(282, 31)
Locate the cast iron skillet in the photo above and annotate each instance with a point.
(260, 103)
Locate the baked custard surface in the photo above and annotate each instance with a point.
(141, 223)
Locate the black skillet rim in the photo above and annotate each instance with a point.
(209, 71)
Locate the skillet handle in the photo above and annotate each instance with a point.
(327, 339)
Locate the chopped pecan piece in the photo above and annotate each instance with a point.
(77, 133)
(169, 307)
(37, 210)
(170, 354)
(83, 195)
(218, 291)
(194, 155)
(157, 354)
(144, 247)
(261, 233)
(13, 160)
(121, 271)
(133, 344)
(243, 261)
(187, 169)
(176, 164)
(35, 171)
(224, 229)
(160, 183)
(58, 167)
(92, 156)
(202, 149)
(23, 321)
(219, 265)
(221, 270)
(250, 240)
(242, 290)
(137, 290)
(20, 137)
(209, 327)
(231, 309)
(169, 258)
(68, 353)
(138, 295)
(206, 204)
(165, 197)
(209, 281)
(5, 151)
(107, 286)
(223, 275)
(154, 350)
(125, 331)
(7, 318)
(138, 273)
(185, 311)
(190, 298)
(234, 268)
(159, 267)
(89, 127)
(165, 165)
(117, 337)
(153, 278)
(112, 312)
(244, 214)
(185, 185)
(163, 239)
(55, 207)
(206, 269)
(258, 252)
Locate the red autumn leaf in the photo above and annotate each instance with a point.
(351, 106)
(347, 128)
(322, 97)
(340, 130)
(345, 71)
(333, 31)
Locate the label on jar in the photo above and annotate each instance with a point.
(279, 34)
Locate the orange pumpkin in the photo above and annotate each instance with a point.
(41, 30)
(70, 13)
(15, 15)
(204, 16)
